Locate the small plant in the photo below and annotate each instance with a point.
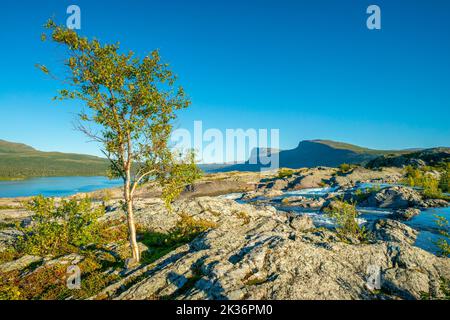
(345, 167)
(59, 229)
(107, 196)
(8, 254)
(285, 173)
(363, 194)
(243, 216)
(444, 286)
(6, 207)
(344, 214)
(433, 188)
(443, 243)
(49, 282)
(444, 182)
(186, 229)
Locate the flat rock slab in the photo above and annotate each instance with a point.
(20, 263)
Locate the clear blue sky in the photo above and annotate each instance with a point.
(310, 68)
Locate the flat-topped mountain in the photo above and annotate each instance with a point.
(312, 153)
(21, 161)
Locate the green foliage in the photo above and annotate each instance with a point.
(133, 101)
(363, 194)
(444, 286)
(186, 229)
(285, 173)
(345, 167)
(432, 187)
(58, 229)
(8, 254)
(243, 216)
(49, 282)
(444, 182)
(413, 176)
(19, 161)
(177, 175)
(344, 214)
(444, 230)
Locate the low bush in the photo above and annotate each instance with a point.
(443, 243)
(49, 282)
(345, 214)
(444, 182)
(344, 167)
(432, 187)
(285, 173)
(186, 229)
(59, 229)
(363, 194)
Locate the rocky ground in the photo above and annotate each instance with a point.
(254, 251)
(259, 253)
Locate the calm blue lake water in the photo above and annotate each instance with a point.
(54, 186)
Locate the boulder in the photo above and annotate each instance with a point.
(406, 214)
(435, 203)
(302, 223)
(271, 193)
(303, 202)
(7, 237)
(393, 231)
(359, 174)
(406, 284)
(278, 184)
(397, 197)
(306, 182)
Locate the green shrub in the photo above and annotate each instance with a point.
(413, 177)
(443, 243)
(49, 282)
(244, 217)
(186, 229)
(444, 182)
(344, 214)
(432, 187)
(363, 194)
(285, 173)
(345, 167)
(59, 229)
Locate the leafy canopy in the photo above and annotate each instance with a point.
(133, 101)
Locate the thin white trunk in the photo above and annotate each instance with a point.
(130, 218)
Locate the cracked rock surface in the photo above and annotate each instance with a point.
(271, 255)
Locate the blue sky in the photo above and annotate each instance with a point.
(309, 68)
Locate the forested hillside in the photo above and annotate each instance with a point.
(18, 161)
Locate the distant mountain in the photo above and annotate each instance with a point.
(312, 153)
(429, 157)
(21, 161)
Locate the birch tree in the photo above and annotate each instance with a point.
(129, 105)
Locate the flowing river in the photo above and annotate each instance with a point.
(425, 222)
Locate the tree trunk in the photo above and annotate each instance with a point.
(131, 226)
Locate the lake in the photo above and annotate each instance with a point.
(54, 186)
